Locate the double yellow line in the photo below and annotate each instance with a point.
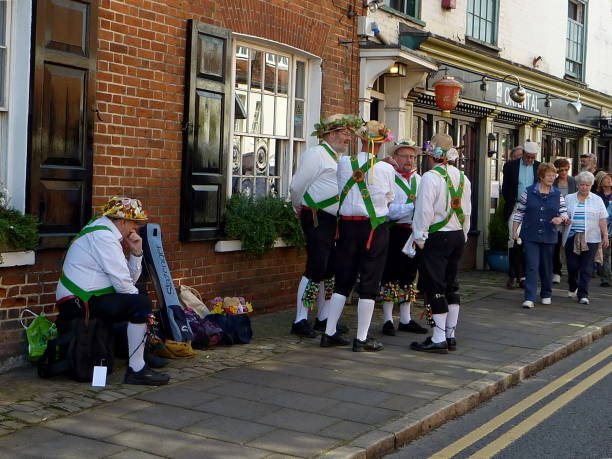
(516, 432)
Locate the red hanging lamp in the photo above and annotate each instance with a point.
(447, 94)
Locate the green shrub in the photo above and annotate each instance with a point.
(259, 221)
(498, 229)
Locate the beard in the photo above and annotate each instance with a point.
(584, 168)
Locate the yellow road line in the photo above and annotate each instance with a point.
(485, 429)
(542, 414)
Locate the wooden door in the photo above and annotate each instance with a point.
(61, 131)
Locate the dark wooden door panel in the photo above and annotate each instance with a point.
(209, 132)
(61, 132)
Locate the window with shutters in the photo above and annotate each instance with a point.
(575, 40)
(482, 19)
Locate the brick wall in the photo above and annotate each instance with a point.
(138, 146)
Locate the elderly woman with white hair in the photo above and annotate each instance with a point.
(583, 232)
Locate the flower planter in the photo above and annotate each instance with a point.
(21, 258)
(498, 260)
(236, 245)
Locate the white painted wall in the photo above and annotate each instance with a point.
(599, 46)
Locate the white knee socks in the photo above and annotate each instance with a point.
(439, 331)
(405, 312)
(388, 311)
(301, 312)
(451, 320)
(365, 309)
(335, 307)
(136, 345)
(322, 303)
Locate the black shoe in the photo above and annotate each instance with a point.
(604, 284)
(411, 327)
(388, 328)
(320, 325)
(303, 328)
(429, 346)
(451, 343)
(334, 340)
(154, 361)
(369, 345)
(145, 377)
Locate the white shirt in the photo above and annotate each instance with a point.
(433, 206)
(399, 210)
(381, 188)
(594, 211)
(96, 260)
(315, 174)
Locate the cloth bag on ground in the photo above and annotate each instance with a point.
(236, 327)
(38, 332)
(205, 332)
(191, 298)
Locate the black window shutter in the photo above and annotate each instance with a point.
(206, 130)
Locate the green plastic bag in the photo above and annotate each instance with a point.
(38, 332)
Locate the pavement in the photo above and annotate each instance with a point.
(284, 396)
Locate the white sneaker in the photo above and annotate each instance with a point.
(528, 304)
(584, 300)
(571, 293)
(546, 301)
(556, 279)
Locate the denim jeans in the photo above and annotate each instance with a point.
(604, 270)
(538, 261)
(579, 267)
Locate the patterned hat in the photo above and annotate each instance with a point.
(403, 144)
(335, 122)
(375, 132)
(125, 208)
(441, 147)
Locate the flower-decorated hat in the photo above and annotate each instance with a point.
(441, 147)
(375, 132)
(407, 143)
(335, 122)
(125, 208)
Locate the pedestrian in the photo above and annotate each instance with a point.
(584, 232)
(604, 191)
(588, 163)
(516, 153)
(518, 174)
(367, 187)
(314, 195)
(400, 270)
(439, 231)
(97, 276)
(541, 207)
(566, 184)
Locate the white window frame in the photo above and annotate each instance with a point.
(312, 97)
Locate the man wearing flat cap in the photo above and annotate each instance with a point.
(439, 229)
(400, 270)
(588, 162)
(314, 195)
(98, 280)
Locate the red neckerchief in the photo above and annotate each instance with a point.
(406, 175)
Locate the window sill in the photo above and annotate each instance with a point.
(573, 79)
(482, 44)
(236, 245)
(23, 258)
(402, 15)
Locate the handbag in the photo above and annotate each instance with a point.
(38, 332)
(191, 298)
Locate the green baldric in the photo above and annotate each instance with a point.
(310, 202)
(77, 291)
(455, 206)
(358, 177)
(410, 191)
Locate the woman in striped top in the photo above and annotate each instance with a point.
(583, 233)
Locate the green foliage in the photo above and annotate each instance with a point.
(17, 231)
(498, 229)
(259, 221)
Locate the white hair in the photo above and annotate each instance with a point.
(585, 177)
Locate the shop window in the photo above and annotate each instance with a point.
(575, 40)
(482, 19)
(410, 8)
(272, 88)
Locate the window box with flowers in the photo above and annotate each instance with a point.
(18, 235)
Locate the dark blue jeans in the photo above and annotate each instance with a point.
(538, 260)
(579, 267)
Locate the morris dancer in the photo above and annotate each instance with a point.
(98, 280)
(440, 226)
(400, 270)
(366, 189)
(314, 195)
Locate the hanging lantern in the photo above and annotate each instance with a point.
(447, 94)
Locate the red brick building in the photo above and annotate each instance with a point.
(179, 103)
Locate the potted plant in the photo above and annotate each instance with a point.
(497, 255)
(18, 232)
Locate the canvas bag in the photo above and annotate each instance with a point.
(191, 298)
(236, 327)
(205, 333)
(38, 332)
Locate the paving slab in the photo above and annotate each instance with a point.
(285, 396)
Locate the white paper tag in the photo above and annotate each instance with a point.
(99, 377)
